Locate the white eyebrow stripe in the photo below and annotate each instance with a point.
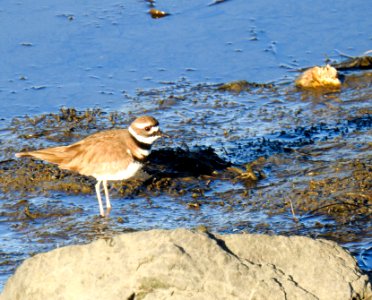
(142, 126)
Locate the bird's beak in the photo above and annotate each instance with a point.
(162, 134)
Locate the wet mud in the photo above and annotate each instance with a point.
(266, 158)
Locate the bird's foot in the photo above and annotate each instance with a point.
(108, 210)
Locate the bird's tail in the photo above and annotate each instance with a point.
(54, 155)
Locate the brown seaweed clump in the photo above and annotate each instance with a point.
(243, 86)
(318, 78)
(356, 63)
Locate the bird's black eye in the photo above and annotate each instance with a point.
(147, 128)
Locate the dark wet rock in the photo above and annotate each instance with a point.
(182, 264)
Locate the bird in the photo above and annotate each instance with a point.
(115, 154)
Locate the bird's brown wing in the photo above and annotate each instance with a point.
(99, 154)
(95, 154)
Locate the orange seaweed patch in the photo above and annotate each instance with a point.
(319, 77)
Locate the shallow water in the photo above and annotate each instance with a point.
(309, 151)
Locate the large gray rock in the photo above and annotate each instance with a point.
(182, 264)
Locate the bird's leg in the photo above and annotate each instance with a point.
(108, 204)
(98, 192)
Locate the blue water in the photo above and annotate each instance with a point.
(87, 53)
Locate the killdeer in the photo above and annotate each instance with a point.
(115, 154)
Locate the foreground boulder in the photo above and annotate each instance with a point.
(182, 264)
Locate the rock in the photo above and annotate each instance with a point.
(319, 78)
(182, 264)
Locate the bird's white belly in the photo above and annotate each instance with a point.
(129, 172)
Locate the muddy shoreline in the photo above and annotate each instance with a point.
(304, 168)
